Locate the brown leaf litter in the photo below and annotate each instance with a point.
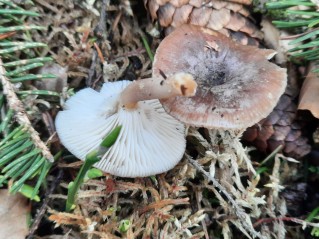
(309, 94)
(14, 210)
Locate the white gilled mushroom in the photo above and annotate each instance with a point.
(150, 141)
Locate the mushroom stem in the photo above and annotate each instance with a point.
(180, 84)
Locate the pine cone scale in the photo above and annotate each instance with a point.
(293, 135)
(168, 11)
(196, 3)
(181, 15)
(218, 19)
(153, 8)
(179, 3)
(200, 16)
(162, 2)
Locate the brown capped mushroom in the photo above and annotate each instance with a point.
(237, 85)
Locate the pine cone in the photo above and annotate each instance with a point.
(228, 17)
(281, 127)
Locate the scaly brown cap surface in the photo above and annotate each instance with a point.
(237, 85)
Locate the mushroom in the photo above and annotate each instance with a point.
(150, 140)
(237, 85)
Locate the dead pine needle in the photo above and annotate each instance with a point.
(163, 203)
(99, 52)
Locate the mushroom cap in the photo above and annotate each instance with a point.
(150, 140)
(237, 85)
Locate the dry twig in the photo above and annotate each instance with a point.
(21, 116)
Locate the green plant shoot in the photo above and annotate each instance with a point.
(124, 225)
(93, 173)
(28, 192)
(110, 139)
(73, 187)
(90, 160)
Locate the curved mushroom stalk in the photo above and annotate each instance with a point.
(150, 141)
(180, 84)
(237, 85)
